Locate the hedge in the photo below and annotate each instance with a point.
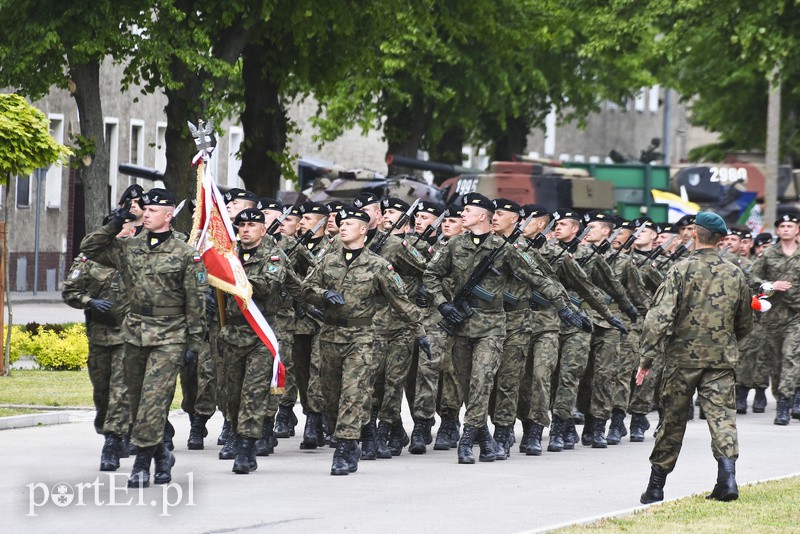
(53, 346)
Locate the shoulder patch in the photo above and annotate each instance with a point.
(390, 267)
(516, 245)
(83, 257)
(274, 258)
(202, 278)
(75, 273)
(196, 258)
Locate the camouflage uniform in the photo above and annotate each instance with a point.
(89, 280)
(247, 361)
(782, 322)
(346, 337)
(166, 286)
(698, 315)
(478, 342)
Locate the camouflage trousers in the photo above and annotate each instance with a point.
(756, 360)
(248, 371)
(516, 346)
(643, 398)
(622, 381)
(595, 391)
(393, 367)
(199, 387)
(783, 340)
(573, 357)
(475, 361)
(429, 371)
(110, 394)
(534, 391)
(285, 341)
(215, 343)
(305, 356)
(151, 373)
(345, 372)
(715, 391)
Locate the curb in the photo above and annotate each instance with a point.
(33, 419)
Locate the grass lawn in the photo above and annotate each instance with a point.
(52, 388)
(766, 507)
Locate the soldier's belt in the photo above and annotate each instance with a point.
(157, 311)
(481, 304)
(345, 322)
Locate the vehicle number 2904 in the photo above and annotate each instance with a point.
(728, 175)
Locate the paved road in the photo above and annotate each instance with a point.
(292, 490)
(45, 307)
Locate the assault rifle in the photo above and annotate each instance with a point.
(675, 256)
(571, 246)
(276, 224)
(626, 245)
(431, 228)
(307, 236)
(657, 251)
(602, 248)
(377, 245)
(540, 239)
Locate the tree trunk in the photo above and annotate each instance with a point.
(86, 93)
(264, 124)
(448, 150)
(403, 131)
(512, 141)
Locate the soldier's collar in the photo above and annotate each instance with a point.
(478, 240)
(156, 238)
(351, 255)
(246, 254)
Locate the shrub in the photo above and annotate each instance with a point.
(67, 350)
(20, 342)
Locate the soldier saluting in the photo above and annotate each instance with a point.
(166, 281)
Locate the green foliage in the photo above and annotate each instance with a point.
(60, 351)
(20, 342)
(25, 141)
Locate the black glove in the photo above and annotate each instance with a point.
(424, 345)
(316, 313)
(120, 216)
(451, 314)
(333, 297)
(632, 313)
(570, 317)
(190, 359)
(422, 297)
(211, 304)
(616, 323)
(586, 324)
(100, 305)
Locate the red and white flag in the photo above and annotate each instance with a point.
(214, 238)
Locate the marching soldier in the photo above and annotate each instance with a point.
(166, 281)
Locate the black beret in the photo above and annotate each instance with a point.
(158, 197)
(762, 239)
(454, 210)
(133, 192)
(270, 204)
(667, 228)
(686, 220)
(647, 222)
(598, 216)
(477, 200)
(627, 225)
(350, 213)
(336, 205)
(536, 210)
(293, 210)
(249, 215)
(315, 208)
(567, 214)
(365, 198)
(242, 194)
(395, 204)
(788, 217)
(506, 205)
(429, 207)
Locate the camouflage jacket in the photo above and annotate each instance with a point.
(166, 287)
(631, 279)
(88, 280)
(368, 277)
(651, 275)
(303, 260)
(409, 263)
(601, 275)
(266, 270)
(699, 314)
(453, 265)
(774, 265)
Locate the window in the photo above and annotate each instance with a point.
(638, 103)
(161, 146)
(653, 101)
(550, 132)
(136, 155)
(23, 191)
(112, 150)
(578, 158)
(52, 185)
(235, 137)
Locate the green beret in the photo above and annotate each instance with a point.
(711, 221)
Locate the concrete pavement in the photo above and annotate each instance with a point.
(44, 307)
(292, 490)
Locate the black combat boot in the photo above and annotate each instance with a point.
(741, 399)
(455, 433)
(760, 400)
(465, 455)
(598, 436)
(353, 454)
(109, 456)
(556, 443)
(341, 457)
(124, 449)
(369, 441)
(313, 435)
(164, 460)
(422, 430)
(796, 404)
(570, 435)
(616, 426)
(587, 434)
(228, 451)
(443, 434)
(486, 444)
(398, 438)
(502, 436)
(383, 452)
(726, 488)
(782, 412)
(283, 422)
(132, 449)
(578, 418)
(226, 431)
(535, 448)
(655, 487)
(639, 424)
(140, 474)
(245, 460)
(266, 445)
(525, 442)
(197, 432)
(169, 433)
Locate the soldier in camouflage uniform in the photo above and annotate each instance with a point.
(100, 292)
(778, 270)
(698, 315)
(478, 339)
(166, 281)
(247, 360)
(345, 284)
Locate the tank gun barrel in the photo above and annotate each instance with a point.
(433, 166)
